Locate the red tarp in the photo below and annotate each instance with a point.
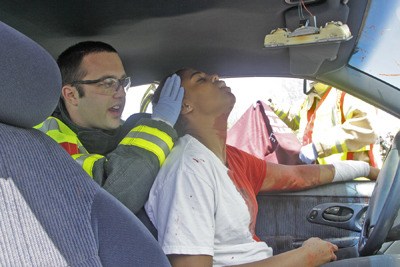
(262, 133)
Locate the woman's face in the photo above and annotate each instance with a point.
(207, 93)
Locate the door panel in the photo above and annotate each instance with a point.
(284, 221)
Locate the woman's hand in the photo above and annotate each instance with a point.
(319, 251)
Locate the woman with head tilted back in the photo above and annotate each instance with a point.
(203, 202)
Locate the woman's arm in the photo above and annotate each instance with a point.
(297, 177)
(190, 260)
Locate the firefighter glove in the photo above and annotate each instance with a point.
(308, 153)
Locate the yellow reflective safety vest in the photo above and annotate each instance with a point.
(338, 124)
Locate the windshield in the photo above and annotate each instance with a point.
(381, 34)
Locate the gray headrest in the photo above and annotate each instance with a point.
(30, 80)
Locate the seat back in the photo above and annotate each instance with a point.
(45, 204)
(51, 212)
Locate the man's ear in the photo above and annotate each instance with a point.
(187, 107)
(70, 95)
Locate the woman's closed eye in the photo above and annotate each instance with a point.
(201, 78)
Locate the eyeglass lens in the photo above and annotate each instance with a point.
(115, 84)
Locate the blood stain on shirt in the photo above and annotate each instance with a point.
(198, 160)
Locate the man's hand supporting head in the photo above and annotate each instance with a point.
(168, 107)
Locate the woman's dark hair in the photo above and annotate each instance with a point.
(180, 124)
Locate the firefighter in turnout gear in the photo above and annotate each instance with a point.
(332, 126)
(123, 157)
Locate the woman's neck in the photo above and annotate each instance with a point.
(213, 136)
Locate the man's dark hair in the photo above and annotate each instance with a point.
(179, 125)
(70, 60)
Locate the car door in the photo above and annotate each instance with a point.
(332, 212)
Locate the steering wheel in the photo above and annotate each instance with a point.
(383, 205)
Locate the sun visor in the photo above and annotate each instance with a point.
(307, 59)
(313, 37)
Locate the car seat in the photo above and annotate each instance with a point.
(51, 212)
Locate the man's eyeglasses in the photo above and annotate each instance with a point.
(108, 85)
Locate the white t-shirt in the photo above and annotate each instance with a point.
(197, 209)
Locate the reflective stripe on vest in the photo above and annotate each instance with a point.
(293, 123)
(281, 114)
(68, 139)
(150, 139)
(348, 156)
(87, 161)
(62, 134)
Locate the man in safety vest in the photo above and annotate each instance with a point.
(332, 126)
(123, 157)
